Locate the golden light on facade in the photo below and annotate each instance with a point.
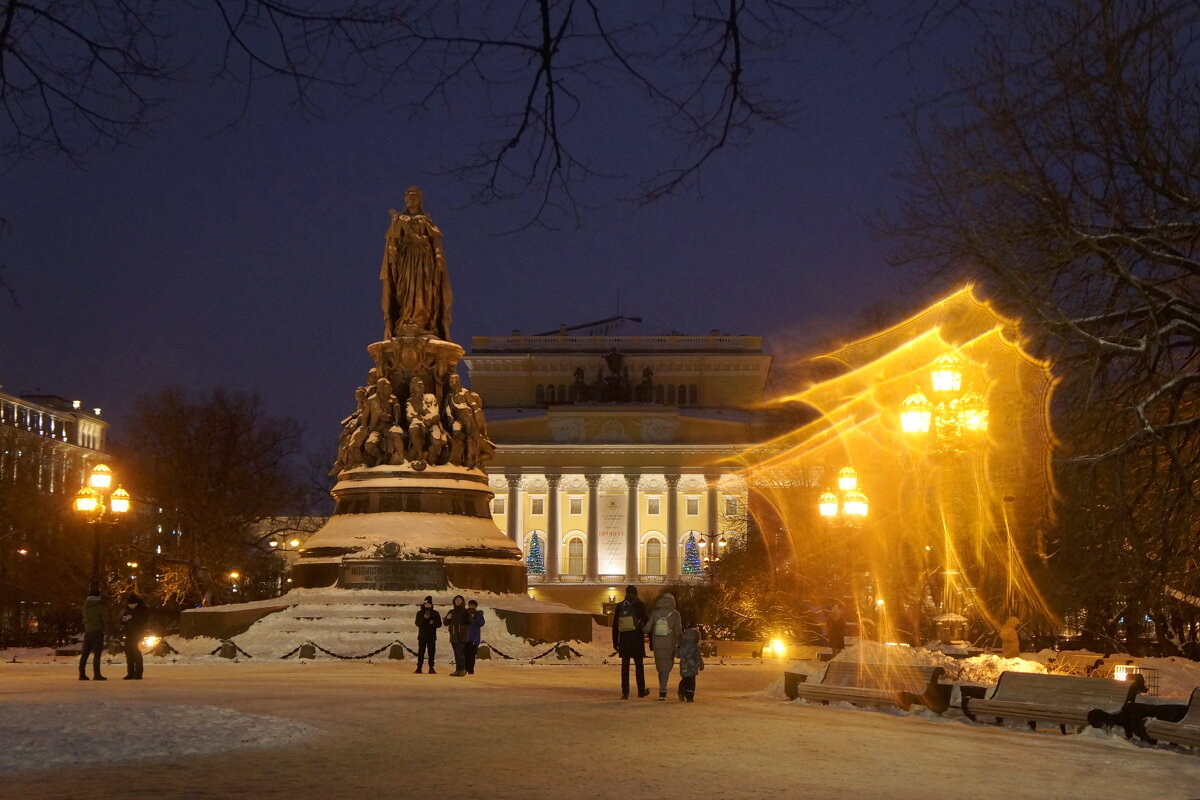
(847, 479)
(87, 500)
(101, 477)
(947, 373)
(120, 501)
(916, 413)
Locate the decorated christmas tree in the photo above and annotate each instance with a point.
(691, 556)
(535, 562)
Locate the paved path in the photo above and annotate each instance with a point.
(561, 731)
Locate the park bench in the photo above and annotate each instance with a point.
(1186, 731)
(1071, 663)
(879, 685)
(1057, 699)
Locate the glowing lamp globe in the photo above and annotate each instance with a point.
(101, 477)
(947, 373)
(854, 504)
(294, 542)
(827, 504)
(916, 414)
(87, 500)
(847, 479)
(120, 501)
(973, 413)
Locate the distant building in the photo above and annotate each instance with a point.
(57, 438)
(615, 451)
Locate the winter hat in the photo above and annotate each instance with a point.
(428, 599)
(631, 591)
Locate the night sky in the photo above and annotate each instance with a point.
(247, 255)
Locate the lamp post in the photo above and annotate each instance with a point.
(100, 504)
(847, 507)
(950, 421)
(283, 547)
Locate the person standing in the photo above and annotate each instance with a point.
(474, 635)
(458, 625)
(428, 621)
(665, 629)
(94, 627)
(835, 628)
(691, 663)
(629, 641)
(133, 620)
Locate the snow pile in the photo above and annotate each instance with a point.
(44, 735)
(985, 669)
(880, 653)
(1177, 677)
(16, 655)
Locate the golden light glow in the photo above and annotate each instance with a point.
(947, 373)
(233, 576)
(273, 543)
(972, 413)
(150, 641)
(87, 500)
(778, 647)
(916, 413)
(101, 477)
(847, 479)
(120, 501)
(827, 504)
(854, 504)
(294, 542)
(1121, 672)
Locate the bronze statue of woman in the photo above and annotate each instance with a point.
(416, 287)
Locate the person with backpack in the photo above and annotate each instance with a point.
(691, 663)
(458, 625)
(95, 625)
(428, 621)
(134, 618)
(665, 629)
(629, 641)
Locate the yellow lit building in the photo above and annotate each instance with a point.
(615, 450)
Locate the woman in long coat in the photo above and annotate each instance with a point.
(629, 641)
(416, 287)
(665, 629)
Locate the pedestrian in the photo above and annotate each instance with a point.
(95, 625)
(428, 621)
(691, 663)
(134, 619)
(474, 634)
(665, 629)
(458, 625)
(835, 628)
(1010, 640)
(629, 641)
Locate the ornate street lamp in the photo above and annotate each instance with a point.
(98, 504)
(955, 411)
(848, 503)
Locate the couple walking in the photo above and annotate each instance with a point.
(668, 639)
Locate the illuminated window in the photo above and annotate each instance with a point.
(575, 505)
(537, 505)
(653, 505)
(693, 506)
(498, 505)
(731, 506)
(654, 557)
(575, 556)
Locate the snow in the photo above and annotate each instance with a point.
(414, 530)
(43, 735)
(263, 728)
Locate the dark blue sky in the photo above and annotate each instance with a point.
(248, 256)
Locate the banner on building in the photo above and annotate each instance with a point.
(611, 541)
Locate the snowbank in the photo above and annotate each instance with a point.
(42, 735)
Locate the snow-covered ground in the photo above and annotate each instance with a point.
(265, 727)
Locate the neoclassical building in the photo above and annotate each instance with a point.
(616, 448)
(59, 439)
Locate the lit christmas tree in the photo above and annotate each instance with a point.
(535, 562)
(691, 556)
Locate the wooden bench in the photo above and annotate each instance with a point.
(879, 685)
(1058, 699)
(1071, 663)
(1186, 731)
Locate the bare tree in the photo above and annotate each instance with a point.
(1064, 176)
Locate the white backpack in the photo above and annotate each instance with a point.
(662, 627)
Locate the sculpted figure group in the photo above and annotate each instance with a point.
(420, 430)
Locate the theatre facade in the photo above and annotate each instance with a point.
(617, 452)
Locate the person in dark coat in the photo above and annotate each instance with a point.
(133, 620)
(474, 634)
(428, 621)
(95, 625)
(458, 625)
(691, 663)
(629, 641)
(835, 629)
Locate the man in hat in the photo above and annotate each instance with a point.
(428, 621)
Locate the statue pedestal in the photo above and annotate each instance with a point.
(440, 512)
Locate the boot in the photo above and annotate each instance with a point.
(643, 692)
(99, 677)
(432, 671)
(417, 670)
(662, 695)
(82, 677)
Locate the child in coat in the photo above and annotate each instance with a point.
(690, 663)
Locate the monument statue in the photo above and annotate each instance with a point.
(416, 287)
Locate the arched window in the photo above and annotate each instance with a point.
(575, 556)
(693, 395)
(671, 395)
(550, 393)
(660, 394)
(654, 554)
(682, 395)
(562, 393)
(539, 394)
